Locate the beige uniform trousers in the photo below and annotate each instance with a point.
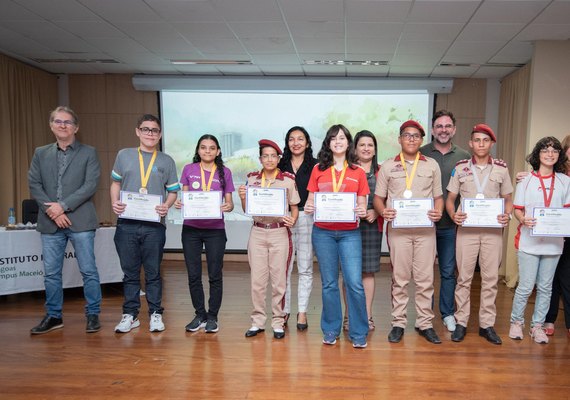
(412, 253)
(487, 244)
(268, 252)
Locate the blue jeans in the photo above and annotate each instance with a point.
(446, 260)
(346, 247)
(193, 240)
(53, 248)
(139, 244)
(533, 270)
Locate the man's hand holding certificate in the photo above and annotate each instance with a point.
(553, 222)
(140, 206)
(266, 202)
(483, 212)
(202, 205)
(412, 213)
(335, 207)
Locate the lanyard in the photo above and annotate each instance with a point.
(547, 200)
(145, 175)
(268, 182)
(410, 178)
(206, 187)
(338, 185)
(480, 186)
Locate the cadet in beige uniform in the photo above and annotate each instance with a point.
(482, 177)
(412, 250)
(269, 248)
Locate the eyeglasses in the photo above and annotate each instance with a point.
(266, 157)
(66, 122)
(448, 126)
(549, 151)
(411, 136)
(149, 131)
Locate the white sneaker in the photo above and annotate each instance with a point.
(156, 324)
(449, 322)
(538, 334)
(127, 323)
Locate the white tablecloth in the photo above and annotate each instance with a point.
(22, 269)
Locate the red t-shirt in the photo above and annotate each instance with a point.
(354, 181)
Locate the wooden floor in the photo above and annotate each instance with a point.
(70, 364)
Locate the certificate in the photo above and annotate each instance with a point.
(483, 212)
(412, 213)
(140, 206)
(335, 207)
(266, 202)
(202, 205)
(551, 222)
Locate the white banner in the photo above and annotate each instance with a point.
(22, 268)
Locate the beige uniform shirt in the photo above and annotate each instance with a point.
(283, 180)
(463, 183)
(391, 182)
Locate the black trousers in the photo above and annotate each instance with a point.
(214, 240)
(561, 287)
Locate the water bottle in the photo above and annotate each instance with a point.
(11, 216)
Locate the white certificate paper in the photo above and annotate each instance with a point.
(482, 213)
(412, 213)
(553, 222)
(202, 205)
(335, 207)
(141, 206)
(266, 202)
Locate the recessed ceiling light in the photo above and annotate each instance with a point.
(211, 62)
(75, 60)
(367, 63)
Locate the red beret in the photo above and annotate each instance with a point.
(482, 128)
(270, 143)
(412, 124)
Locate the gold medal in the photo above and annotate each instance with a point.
(407, 194)
(143, 190)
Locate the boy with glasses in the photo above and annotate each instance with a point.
(146, 172)
(410, 175)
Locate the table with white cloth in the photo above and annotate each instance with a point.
(22, 268)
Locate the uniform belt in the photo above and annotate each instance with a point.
(273, 225)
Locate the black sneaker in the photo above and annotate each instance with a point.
(211, 326)
(93, 324)
(48, 324)
(196, 324)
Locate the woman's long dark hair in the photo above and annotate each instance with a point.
(365, 133)
(550, 141)
(325, 156)
(308, 159)
(218, 160)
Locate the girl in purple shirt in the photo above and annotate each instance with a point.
(206, 173)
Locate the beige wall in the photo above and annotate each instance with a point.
(108, 107)
(467, 102)
(549, 105)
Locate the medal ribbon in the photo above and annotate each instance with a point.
(338, 185)
(410, 178)
(145, 175)
(547, 200)
(206, 187)
(480, 186)
(268, 182)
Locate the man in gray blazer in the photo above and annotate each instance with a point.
(63, 178)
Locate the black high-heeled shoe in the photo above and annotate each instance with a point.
(300, 326)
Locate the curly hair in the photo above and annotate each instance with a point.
(442, 113)
(308, 159)
(362, 134)
(550, 141)
(325, 156)
(565, 146)
(218, 160)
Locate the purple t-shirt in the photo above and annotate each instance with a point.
(191, 177)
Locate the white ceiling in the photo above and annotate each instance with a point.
(277, 36)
